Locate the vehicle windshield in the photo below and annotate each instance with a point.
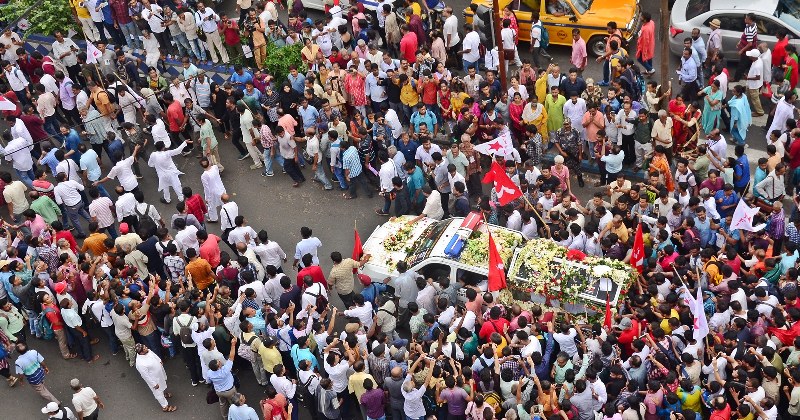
(789, 13)
(581, 6)
(696, 8)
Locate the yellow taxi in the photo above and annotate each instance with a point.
(589, 16)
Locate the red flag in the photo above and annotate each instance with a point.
(637, 254)
(6, 104)
(497, 273)
(607, 322)
(505, 188)
(786, 336)
(358, 250)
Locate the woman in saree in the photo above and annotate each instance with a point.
(443, 100)
(515, 109)
(676, 108)
(712, 106)
(309, 52)
(740, 114)
(355, 87)
(689, 121)
(791, 66)
(534, 114)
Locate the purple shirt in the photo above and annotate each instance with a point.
(374, 400)
(456, 400)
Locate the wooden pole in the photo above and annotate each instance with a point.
(497, 24)
(664, 39)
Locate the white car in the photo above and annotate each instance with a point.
(771, 15)
(320, 4)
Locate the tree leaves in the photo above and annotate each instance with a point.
(46, 17)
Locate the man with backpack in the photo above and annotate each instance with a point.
(540, 40)
(183, 326)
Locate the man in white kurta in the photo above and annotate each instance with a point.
(213, 188)
(784, 110)
(152, 370)
(161, 161)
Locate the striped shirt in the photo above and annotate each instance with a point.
(750, 32)
(351, 161)
(100, 210)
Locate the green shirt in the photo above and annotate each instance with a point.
(207, 137)
(47, 208)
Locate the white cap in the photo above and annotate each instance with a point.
(51, 407)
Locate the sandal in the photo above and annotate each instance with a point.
(347, 197)
(167, 395)
(13, 381)
(95, 358)
(71, 356)
(169, 409)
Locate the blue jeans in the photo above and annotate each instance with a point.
(339, 174)
(320, 176)
(131, 33)
(111, 231)
(387, 203)
(113, 343)
(75, 213)
(648, 64)
(377, 418)
(475, 64)
(51, 125)
(198, 51)
(184, 49)
(26, 177)
(268, 161)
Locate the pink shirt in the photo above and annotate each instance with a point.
(579, 53)
(37, 225)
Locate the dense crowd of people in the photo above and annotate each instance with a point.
(397, 103)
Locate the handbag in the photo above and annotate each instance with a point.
(212, 397)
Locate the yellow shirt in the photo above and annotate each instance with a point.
(541, 88)
(457, 101)
(355, 385)
(409, 95)
(416, 9)
(80, 10)
(270, 357)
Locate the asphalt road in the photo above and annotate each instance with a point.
(268, 203)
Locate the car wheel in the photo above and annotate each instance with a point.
(597, 45)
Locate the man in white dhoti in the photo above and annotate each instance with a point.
(152, 370)
(213, 188)
(166, 170)
(784, 110)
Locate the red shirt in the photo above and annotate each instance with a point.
(209, 250)
(316, 274)
(35, 126)
(428, 91)
(627, 337)
(408, 47)
(197, 206)
(492, 326)
(779, 52)
(794, 154)
(67, 235)
(724, 414)
(54, 317)
(230, 33)
(175, 116)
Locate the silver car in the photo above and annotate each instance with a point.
(771, 15)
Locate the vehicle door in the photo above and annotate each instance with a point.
(559, 27)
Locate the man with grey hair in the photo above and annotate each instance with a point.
(85, 401)
(399, 161)
(240, 410)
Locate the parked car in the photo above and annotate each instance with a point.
(771, 15)
(590, 16)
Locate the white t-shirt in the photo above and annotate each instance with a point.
(472, 42)
(84, 402)
(507, 35)
(450, 27)
(308, 246)
(124, 174)
(536, 33)
(567, 341)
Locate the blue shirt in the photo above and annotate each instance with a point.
(351, 161)
(89, 164)
(222, 379)
(298, 83)
(409, 150)
(706, 234)
(429, 119)
(71, 142)
(741, 169)
(244, 412)
(255, 94)
(259, 325)
(375, 87)
(688, 71)
(50, 160)
(116, 150)
(309, 114)
(237, 79)
(726, 201)
(5, 279)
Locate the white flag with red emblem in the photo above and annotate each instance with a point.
(7, 105)
(743, 218)
(92, 53)
(700, 326)
(502, 146)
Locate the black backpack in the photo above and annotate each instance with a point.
(146, 222)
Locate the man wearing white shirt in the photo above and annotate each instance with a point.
(242, 233)
(159, 130)
(387, 171)
(64, 50)
(18, 152)
(308, 245)
(207, 20)
(227, 215)
(123, 172)
(125, 207)
(17, 82)
(311, 293)
(161, 161)
(470, 48)
(186, 237)
(68, 193)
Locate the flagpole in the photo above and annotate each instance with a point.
(97, 69)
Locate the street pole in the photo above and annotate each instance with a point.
(664, 35)
(497, 24)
